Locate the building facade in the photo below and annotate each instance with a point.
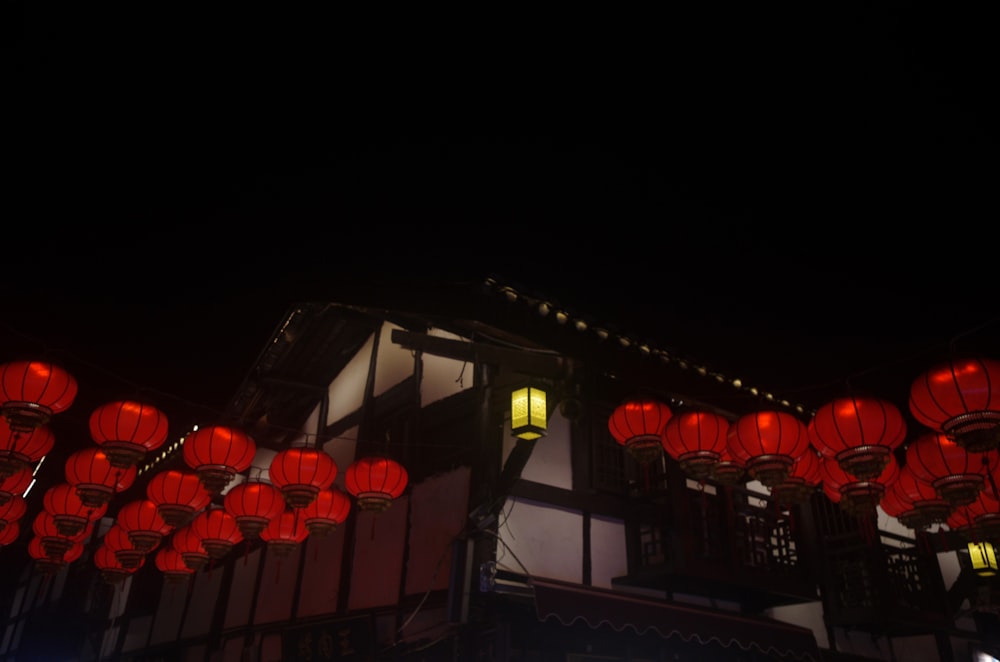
(561, 547)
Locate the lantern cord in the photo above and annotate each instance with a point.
(510, 551)
(437, 567)
(989, 476)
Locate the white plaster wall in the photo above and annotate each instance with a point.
(807, 615)
(346, 392)
(393, 364)
(608, 556)
(546, 540)
(443, 377)
(550, 462)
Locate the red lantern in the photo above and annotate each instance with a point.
(958, 399)
(921, 504)
(768, 443)
(68, 510)
(803, 478)
(32, 391)
(728, 470)
(300, 473)
(284, 533)
(375, 482)
(217, 453)
(696, 439)
(178, 495)
(118, 540)
(638, 426)
(54, 543)
(982, 517)
(958, 475)
(326, 512)
(218, 531)
(857, 497)
(254, 505)
(858, 432)
(13, 510)
(142, 522)
(20, 449)
(9, 533)
(15, 485)
(96, 480)
(126, 430)
(112, 570)
(188, 544)
(48, 565)
(171, 563)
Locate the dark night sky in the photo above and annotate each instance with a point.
(802, 199)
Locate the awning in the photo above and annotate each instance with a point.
(571, 602)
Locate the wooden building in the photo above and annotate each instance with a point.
(560, 547)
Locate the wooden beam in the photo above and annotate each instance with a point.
(549, 365)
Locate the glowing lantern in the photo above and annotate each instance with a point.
(638, 426)
(984, 558)
(857, 497)
(47, 565)
(528, 413)
(300, 473)
(982, 517)
(768, 443)
(142, 522)
(920, 502)
(217, 453)
(326, 512)
(188, 544)
(13, 510)
(728, 470)
(803, 478)
(118, 540)
(31, 392)
(217, 530)
(253, 505)
(284, 533)
(958, 475)
(696, 439)
(171, 563)
(9, 533)
(20, 449)
(858, 432)
(126, 430)
(961, 399)
(96, 480)
(178, 495)
(375, 482)
(112, 570)
(70, 513)
(15, 485)
(54, 543)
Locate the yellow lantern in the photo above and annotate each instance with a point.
(984, 558)
(528, 413)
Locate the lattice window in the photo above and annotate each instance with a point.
(904, 577)
(855, 586)
(651, 545)
(607, 458)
